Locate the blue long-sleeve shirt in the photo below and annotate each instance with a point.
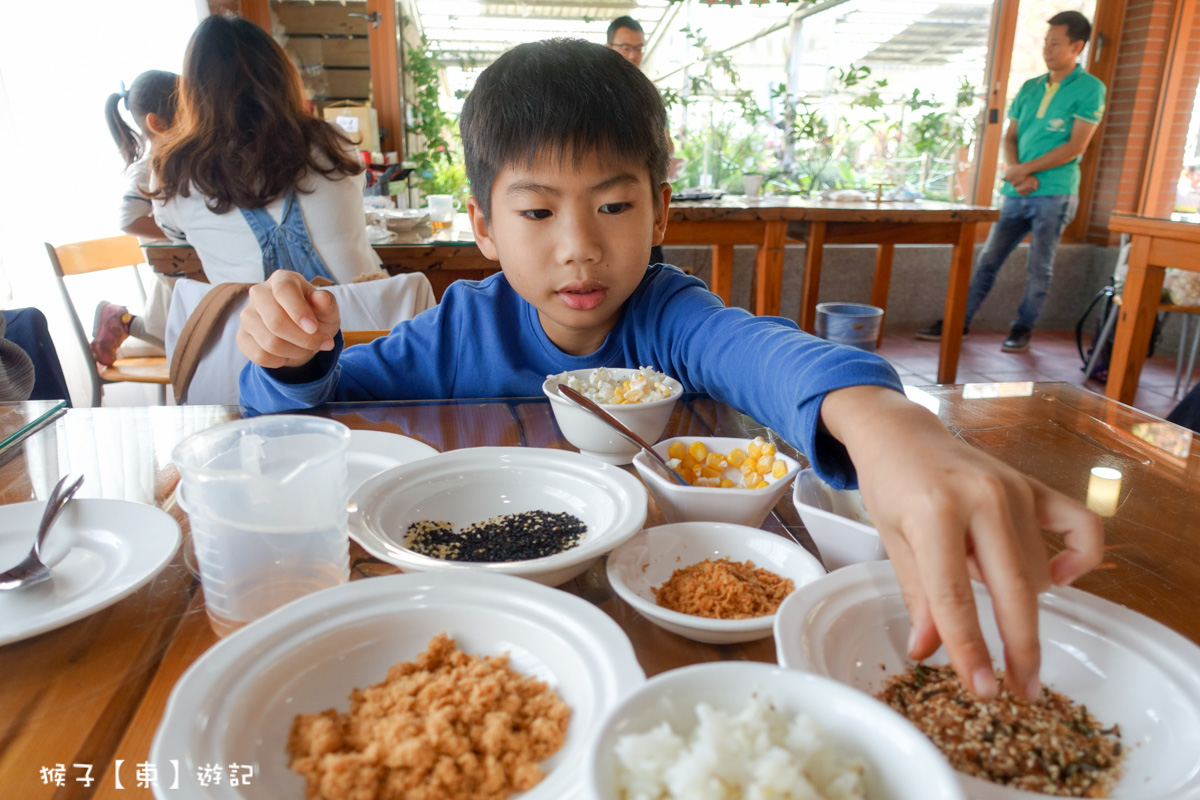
(484, 340)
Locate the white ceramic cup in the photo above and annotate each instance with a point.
(441, 207)
(752, 185)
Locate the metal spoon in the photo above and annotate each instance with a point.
(31, 570)
(572, 396)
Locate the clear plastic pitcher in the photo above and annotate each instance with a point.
(267, 502)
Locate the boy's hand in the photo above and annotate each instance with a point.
(947, 513)
(287, 321)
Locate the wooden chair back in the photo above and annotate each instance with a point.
(96, 255)
(362, 337)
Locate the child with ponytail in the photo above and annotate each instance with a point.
(150, 100)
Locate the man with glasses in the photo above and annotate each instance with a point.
(625, 35)
(1050, 123)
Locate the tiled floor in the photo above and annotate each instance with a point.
(1052, 356)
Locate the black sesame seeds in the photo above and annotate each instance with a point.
(510, 537)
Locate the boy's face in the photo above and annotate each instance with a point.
(574, 241)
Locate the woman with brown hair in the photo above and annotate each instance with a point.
(247, 176)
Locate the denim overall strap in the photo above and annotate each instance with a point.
(286, 245)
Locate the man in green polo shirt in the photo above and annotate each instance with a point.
(1051, 121)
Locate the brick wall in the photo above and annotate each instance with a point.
(1129, 118)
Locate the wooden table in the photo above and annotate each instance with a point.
(93, 692)
(1155, 244)
(767, 224)
(444, 258)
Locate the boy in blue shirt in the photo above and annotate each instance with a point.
(565, 147)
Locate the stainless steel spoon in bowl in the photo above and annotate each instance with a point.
(31, 570)
(573, 396)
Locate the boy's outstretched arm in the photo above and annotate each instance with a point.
(947, 513)
(287, 321)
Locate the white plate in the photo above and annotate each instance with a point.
(99, 552)
(476, 483)
(1127, 668)
(237, 702)
(372, 452)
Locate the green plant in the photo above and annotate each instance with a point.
(724, 151)
(818, 137)
(448, 178)
(427, 119)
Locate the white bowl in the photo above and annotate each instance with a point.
(836, 521)
(595, 438)
(649, 559)
(706, 503)
(1127, 668)
(477, 483)
(237, 701)
(901, 764)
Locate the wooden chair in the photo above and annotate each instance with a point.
(362, 337)
(93, 256)
(1187, 350)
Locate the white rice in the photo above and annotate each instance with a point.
(760, 753)
(601, 383)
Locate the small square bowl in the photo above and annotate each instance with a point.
(711, 504)
(650, 558)
(837, 522)
(595, 438)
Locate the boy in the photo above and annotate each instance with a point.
(565, 149)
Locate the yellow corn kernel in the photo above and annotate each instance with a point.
(755, 448)
(634, 395)
(686, 463)
(747, 466)
(698, 451)
(687, 476)
(677, 450)
(764, 465)
(779, 469)
(727, 484)
(761, 484)
(714, 460)
(735, 457)
(709, 472)
(768, 449)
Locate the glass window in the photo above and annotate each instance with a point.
(860, 94)
(1187, 192)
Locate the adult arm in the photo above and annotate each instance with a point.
(144, 227)
(1010, 143)
(1073, 148)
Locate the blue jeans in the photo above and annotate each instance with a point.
(1044, 217)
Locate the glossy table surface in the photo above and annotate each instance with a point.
(92, 693)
